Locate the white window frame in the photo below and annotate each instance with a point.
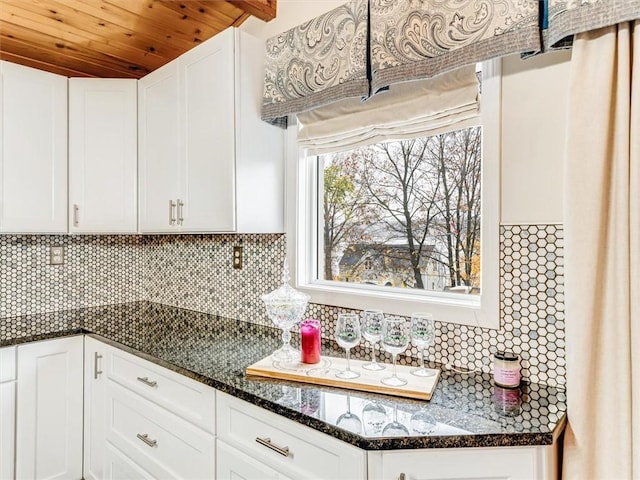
(302, 224)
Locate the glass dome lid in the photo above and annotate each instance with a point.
(285, 307)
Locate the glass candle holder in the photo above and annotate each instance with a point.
(310, 341)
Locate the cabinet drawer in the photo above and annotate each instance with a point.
(187, 398)
(514, 463)
(310, 454)
(120, 467)
(158, 441)
(7, 364)
(231, 464)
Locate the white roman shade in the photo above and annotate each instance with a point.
(406, 110)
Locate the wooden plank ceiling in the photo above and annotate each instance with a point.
(114, 38)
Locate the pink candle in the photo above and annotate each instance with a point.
(310, 341)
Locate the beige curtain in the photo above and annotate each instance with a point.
(602, 255)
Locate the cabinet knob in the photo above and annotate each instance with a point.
(402, 477)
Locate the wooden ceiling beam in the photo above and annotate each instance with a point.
(263, 9)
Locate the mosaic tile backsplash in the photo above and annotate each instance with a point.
(195, 272)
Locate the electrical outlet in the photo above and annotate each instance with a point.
(56, 255)
(237, 258)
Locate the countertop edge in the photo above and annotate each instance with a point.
(516, 439)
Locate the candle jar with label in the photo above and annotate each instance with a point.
(506, 369)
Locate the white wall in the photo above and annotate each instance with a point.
(534, 110)
(534, 123)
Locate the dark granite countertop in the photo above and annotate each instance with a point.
(466, 410)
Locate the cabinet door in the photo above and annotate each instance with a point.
(33, 150)
(159, 149)
(7, 411)
(95, 412)
(103, 155)
(7, 428)
(508, 463)
(232, 464)
(207, 80)
(49, 417)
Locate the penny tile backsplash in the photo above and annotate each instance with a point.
(195, 272)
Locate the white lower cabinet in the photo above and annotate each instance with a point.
(285, 446)
(7, 411)
(49, 409)
(505, 463)
(118, 466)
(95, 408)
(143, 420)
(232, 464)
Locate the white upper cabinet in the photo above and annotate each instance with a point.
(103, 155)
(33, 150)
(159, 149)
(207, 161)
(207, 130)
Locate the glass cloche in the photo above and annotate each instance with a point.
(285, 308)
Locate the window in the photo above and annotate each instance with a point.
(406, 225)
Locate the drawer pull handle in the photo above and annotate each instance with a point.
(145, 438)
(180, 212)
(96, 368)
(172, 218)
(147, 382)
(284, 451)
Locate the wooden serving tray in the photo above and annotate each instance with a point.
(324, 373)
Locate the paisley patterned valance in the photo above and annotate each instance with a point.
(412, 39)
(318, 62)
(565, 18)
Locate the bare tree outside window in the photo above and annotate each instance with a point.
(405, 213)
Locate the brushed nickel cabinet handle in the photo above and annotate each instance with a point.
(180, 212)
(76, 216)
(284, 451)
(96, 371)
(147, 382)
(172, 218)
(145, 438)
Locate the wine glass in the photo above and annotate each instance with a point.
(422, 336)
(395, 428)
(395, 340)
(372, 331)
(348, 336)
(349, 421)
(374, 416)
(422, 423)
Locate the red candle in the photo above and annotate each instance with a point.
(310, 341)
